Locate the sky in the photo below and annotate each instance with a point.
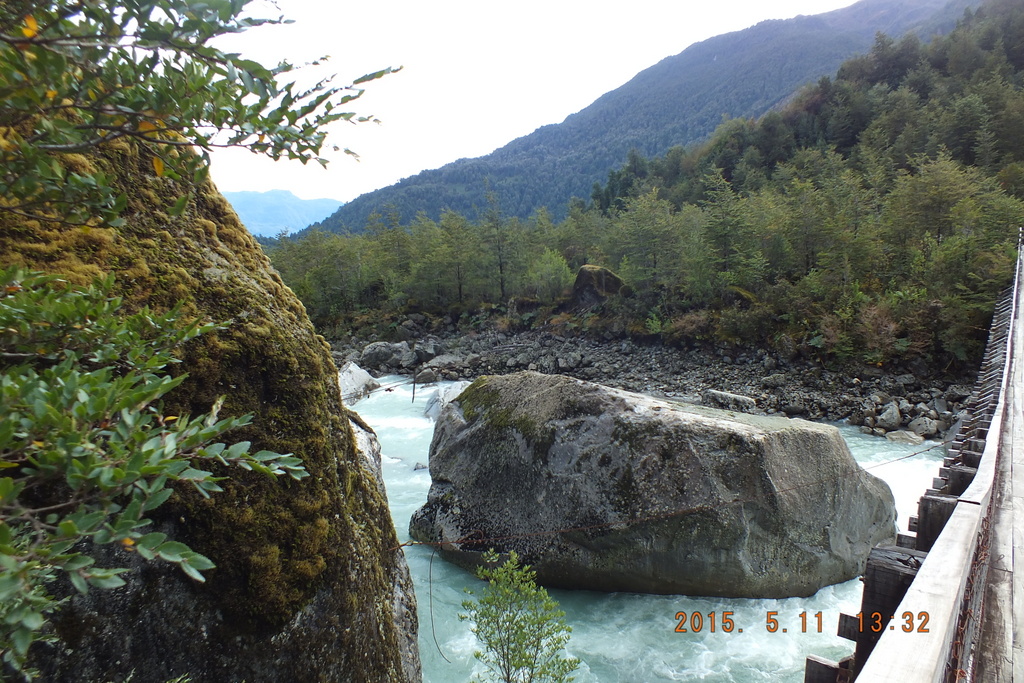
(476, 74)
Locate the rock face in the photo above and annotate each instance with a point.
(403, 596)
(309, 584)
(651, 496)
(442, 397)
(355, 383)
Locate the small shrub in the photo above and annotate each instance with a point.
(519, 624)
(688, 328)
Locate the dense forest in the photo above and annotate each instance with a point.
(873, 218)
(679, 101)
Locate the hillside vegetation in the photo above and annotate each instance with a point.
(873, 218)
(679, 101)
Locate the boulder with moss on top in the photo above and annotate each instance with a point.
(603, 489)
(594, 285)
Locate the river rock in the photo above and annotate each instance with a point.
(924, 426)
(442, 397)
(604, 489)
(957, 392)
(794, 407)
(446, 360)
(593, 285)
(728, 401)
(907, 381)
(775, 381)
(890, 418)
(428, 350)
(355, 383)
(426, 376)
(367, 445)
(903, 436)
(569, 361)
(381, 353)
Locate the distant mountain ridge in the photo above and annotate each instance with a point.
(678, 101)
(269, 213)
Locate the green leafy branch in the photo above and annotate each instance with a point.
(86, 449)
(79, 75)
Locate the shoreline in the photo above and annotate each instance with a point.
(880, 401)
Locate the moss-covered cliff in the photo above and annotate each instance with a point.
(308, 581)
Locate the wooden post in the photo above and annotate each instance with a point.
(821, 670)
(960, 477)
(932, 513)
(889, 573)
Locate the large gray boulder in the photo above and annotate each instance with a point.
(385, 354)
(604, 489)
(594, 285)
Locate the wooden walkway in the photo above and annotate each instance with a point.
(1000, 655)
(950, 595)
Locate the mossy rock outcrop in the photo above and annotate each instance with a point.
(309, 584)
(603, 489)
(594, 285)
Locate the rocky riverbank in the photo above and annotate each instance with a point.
(910, 403)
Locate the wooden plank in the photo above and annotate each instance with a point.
(849, 627)
(980, 489)
(889, 573)
(1017, 584)
(820, 670)
(1014, 436)
(1014, 443)
(936, 593)
(994, 655)
(960, 478)
(908, 540)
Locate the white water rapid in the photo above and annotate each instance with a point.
(626, 637)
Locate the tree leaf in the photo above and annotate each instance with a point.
(111, 581)
(172, 551)
(31, 27)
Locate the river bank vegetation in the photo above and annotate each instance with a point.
(874, 218)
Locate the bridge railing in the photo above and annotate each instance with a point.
(929, 634)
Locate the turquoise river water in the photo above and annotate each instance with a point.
(626, 637)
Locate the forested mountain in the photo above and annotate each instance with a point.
(873, 217)
(678, 101)
(269, 213)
